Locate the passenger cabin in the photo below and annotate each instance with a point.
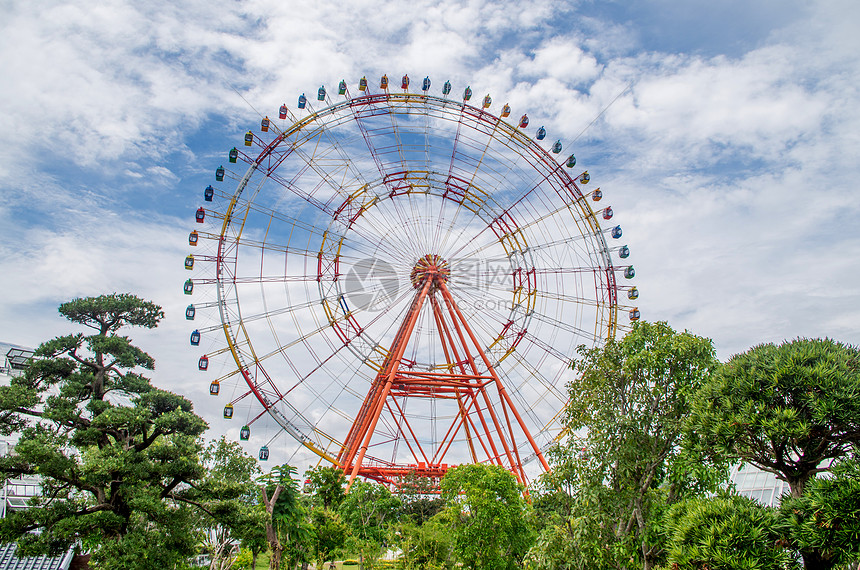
(556, 147)
(189, 262)
(487, 101)
(264, 124)
(249, 138)
(607, 213)
(571, 161)
(467, 94)
(597, 195)
(506, 110)
(524, 121)
(195, 338)
(584, 177)
(362, 84)
(425, 85)
(219, 174)
(282, 112)
(383, 82)
(629, 272)
(616, 232)
(302, 101)
(341, 87)
(321, 93)
(214, 388)
(203, 363)
(245, 433)
(624, 252)
(190, 311)
(404, 82)
(200, 216)
(192, 238)
(541, 134)
(234, 154)
(633, 293)
(634, 314)
(446, 88)
(264, 453)
(228, 412)
(188, 287)
(208, 193)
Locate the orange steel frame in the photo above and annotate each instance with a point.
(462, 380)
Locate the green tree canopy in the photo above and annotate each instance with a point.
(788, 409)
(615, 477)
(488, 516)
(118, 458)
(727, 532)
(824, 523)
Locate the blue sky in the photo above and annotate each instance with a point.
(730, 157)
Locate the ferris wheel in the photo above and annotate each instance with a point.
(401, 278)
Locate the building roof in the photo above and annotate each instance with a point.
(8, 560)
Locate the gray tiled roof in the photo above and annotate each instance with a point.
(8, 560)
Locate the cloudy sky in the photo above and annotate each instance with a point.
(725, 135)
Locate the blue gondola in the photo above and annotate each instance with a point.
(219, 174)
(245, 433)
(195, 338)
(214, 388)
(249, 138)
(234, 154)
(341, 88)
(541, 134)
(264, 453)
(208, 193)
(200, 216)
(193, 237)
(321, 93)
(425, 85)
(616, 232)
(190, 311)
(302, 101)
(633, 293)
(556, 147)
(188, 287)
(203, 363)
(446, 88)
(607, 213)
(282, 112)
(629, 272)
(189, 262)
(624, 252)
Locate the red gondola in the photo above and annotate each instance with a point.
(282, 112)
(200, 216)
(524, 121)
(203, 363)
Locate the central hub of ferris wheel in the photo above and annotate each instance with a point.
(432, 267)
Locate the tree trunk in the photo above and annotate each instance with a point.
(271, 534)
